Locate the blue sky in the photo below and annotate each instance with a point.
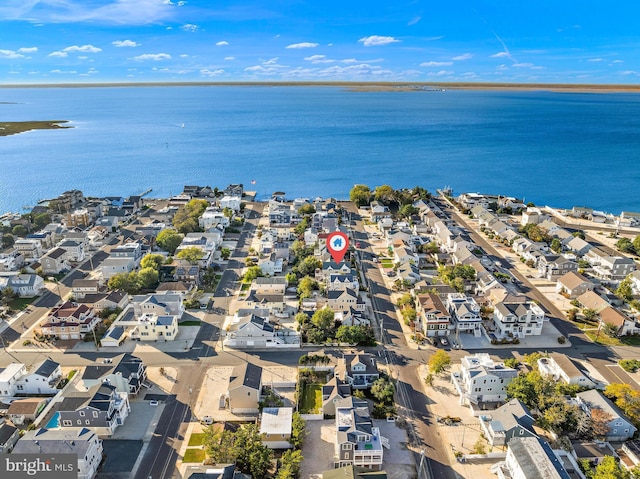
(569, 41)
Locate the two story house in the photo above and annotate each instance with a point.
(245, 388)
(620, 427)
(517, 320)
(359, 370)
(433, 316)
(561, 368)
(465, 313)
(70, 321)
(125, 372)
(510, 420)
(481, 381)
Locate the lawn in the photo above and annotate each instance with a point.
(311, 399)
(386, 263)
(19, 304)
(196, 439)
(194, 455)
(603, 339)
(245, 286)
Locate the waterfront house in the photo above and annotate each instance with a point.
(80, 441)
(101, 408)
(276, 426)
(573, 284)
(358, 441)
(213, 217)
(620, 427)
(231, 202)
(609, 268)
(482, 382)
(510, 420)
(70, 321)
(433, 317)
(359, 370)
(560, 367)
(577, 245)
(245, 386)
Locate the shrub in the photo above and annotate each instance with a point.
(562, 340)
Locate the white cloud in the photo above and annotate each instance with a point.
(229, 58)
(435, 64)
(28, 50)
(190, 27)
(153, 56)
(500, 55)
(10, 54)
(502, 67)
(271, 61)
(82, 48)
(629, 72)
(414, 20)
(523, 65)
(464, 56)
(595, 60)
(120, 12)
(303, 45)
(222, 43)
(125, 43)
(349, 60)
(377, 40)
(58, 54)
(614, 61)
(211, 73)
(184, 55)
(319, 59)
(440, 73)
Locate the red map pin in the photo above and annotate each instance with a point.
(337, 244)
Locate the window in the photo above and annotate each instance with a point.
(346, 447)
(87, 422)
(82, 413)
(95, 413)
(67, 423)
(79, 422)
(346, 455)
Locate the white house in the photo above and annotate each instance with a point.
(276, 426)
(518, 320)
(232, 202)
(82, 442)
(530, 458)
(24, 285)
(41, 379)
(465, 313)
(213, 218)
(562, 368)
(481, 380)
(9, 377)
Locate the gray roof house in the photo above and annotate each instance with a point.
(125, 372)
(245, 386)
(79, 441)
(620, 427)
(333, 391)
(360, 370)
(513, 419)
(9, 435)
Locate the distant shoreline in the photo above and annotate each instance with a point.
(363, 86)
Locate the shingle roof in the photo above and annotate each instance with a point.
(47, 367)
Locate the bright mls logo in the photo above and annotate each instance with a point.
(51, 466)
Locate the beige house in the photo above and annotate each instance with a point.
(275, 427)
(245, 386)
(574, 284)
(26, 410)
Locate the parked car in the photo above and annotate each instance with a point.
(444, 342)
(207, 420)
(153, 402)
(391, 274)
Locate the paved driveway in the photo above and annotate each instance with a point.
(120, 457)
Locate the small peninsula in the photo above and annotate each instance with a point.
(15, 127)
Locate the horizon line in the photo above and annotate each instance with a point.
(339, 83)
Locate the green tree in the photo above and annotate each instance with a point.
(298, 430)
(511, 363)
(301, 227)
(360, 195)
(127, 282)
(636, 243)
(251, 455)
(147, 277)
(7, 295)
(19, 230)
(306, 209)
(8, 240)
(289, 464)
(41, 220)
(409, 315)
(192, 254)
(626, 398)
(302, 318)
(405, 300)
(624, 290)
(252, 273)
(407, 211)
(589, 314)
(383, 390)
(384, 194)
(169, 240)
(218, 445)
(625, 245)
(292, 279)
(556, 245)
(578, 234)
(439, 362)
(227, 212)
(306, 286)
(609, 468)
(323, 318)
(152, 261)
(308, 266)
(522, 388)
(225, 253)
